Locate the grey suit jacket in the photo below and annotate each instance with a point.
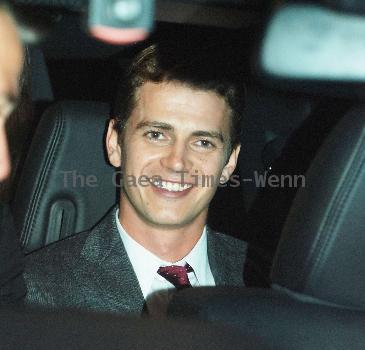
(91, 270)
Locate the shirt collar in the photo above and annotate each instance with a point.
(146, 264)
(198, 259)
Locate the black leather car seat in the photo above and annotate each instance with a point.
(66, 185)
(266, 222)
(317, 299)
(321, 253)
(41, 87)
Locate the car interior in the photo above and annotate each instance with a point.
(303, 67)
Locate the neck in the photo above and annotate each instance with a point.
(170, 243)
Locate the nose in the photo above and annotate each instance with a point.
(177, 158)
(4, 154)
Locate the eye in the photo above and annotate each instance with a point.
(154, 135)
(205, 144)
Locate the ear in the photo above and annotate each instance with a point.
(231, 164)
(112, 145)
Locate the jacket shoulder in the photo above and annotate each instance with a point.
(64, 274)
(50, 271)
(70, 249)
(65, 250)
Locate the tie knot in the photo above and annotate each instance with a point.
(177, 275)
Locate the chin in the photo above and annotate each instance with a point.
(169, 221)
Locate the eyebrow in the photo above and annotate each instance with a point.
(169, 127)
(159, 125)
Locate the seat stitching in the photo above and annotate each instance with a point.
(57, 135)
(336, 209)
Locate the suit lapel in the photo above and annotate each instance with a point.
(111, 272)
(225, 268)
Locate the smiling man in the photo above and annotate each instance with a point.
(175, 123)
(170, 141)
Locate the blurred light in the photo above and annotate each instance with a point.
(121, 21)
(312, 42)
(127, 10)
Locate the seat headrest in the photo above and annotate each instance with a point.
(66, 185)
(41, 88)
(322, 250)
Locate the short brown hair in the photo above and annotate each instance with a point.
(196, 68)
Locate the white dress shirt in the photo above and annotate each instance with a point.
(155, 288)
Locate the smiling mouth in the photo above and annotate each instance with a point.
(170, 186)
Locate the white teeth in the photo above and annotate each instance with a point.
(171, 186)
(168, 185)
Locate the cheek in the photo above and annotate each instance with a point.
(138, 159)
(211, 165)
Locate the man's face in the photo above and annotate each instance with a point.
(178, 135)
(11, 58)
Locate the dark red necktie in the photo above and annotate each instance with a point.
(177, 275)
